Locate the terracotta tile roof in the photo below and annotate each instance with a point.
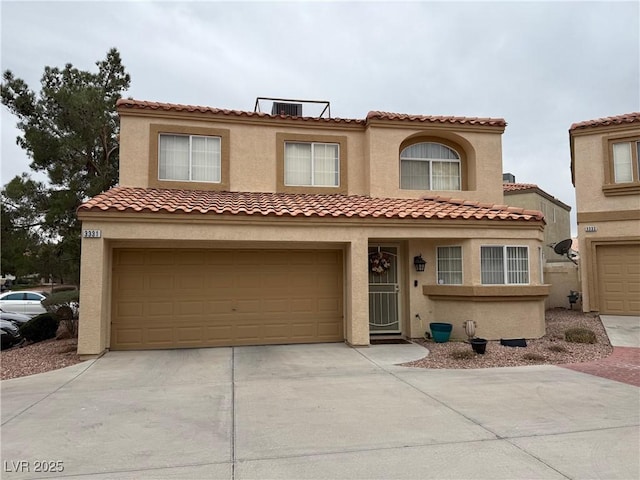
(148, 200)
(633, 117)
(128, 103)
(516, 187)
(491, 122)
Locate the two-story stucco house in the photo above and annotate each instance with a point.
(605, 168)
(247, 228)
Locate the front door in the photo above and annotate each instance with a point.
(383, 290)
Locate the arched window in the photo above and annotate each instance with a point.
(429, 166)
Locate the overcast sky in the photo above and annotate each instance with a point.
(539, 65)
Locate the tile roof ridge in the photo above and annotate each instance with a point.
(381, 115)
(517, 186)
(631, 117)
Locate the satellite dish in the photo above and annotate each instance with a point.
(563, 247)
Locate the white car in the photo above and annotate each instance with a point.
(27, 303)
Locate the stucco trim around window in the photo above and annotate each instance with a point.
(154, 138)
(611, 187)
(467, 164)
(281, 138)
(486, 293)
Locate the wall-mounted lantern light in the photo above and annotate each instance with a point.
(419, 263)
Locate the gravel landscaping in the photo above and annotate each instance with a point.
(550, 349)
(38, 357)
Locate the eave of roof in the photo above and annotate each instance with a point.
(197, 202)
(626, 118)
(128, 104)
(515, 188)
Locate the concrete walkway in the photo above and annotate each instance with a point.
(315, 411)
(623, 365)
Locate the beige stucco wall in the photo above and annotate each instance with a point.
(372, 153)
(589, 153)
(494, 319)
(483, 151)
(563, 277)
(353, 237)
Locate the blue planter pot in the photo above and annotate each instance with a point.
(440, 331)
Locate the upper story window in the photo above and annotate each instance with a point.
(500, 265)
(430, 166)
(626, 161)
(312, 164)
(191, 158)
(188, 157)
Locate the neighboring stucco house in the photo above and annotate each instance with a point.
(605, 169)
(246, 228)
(556, 213)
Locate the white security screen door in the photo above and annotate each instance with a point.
(383, 290)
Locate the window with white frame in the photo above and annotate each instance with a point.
(312, 164)
(449, 265)
(626, 161)
(429, 166)
(500, 265)
(191, 158)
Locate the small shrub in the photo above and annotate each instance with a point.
(535, 357)
(557, 348)
(580, 335)
(39, 328)
(462, 354)
(64, 288)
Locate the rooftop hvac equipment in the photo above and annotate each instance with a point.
(508, 178)
(292, 109)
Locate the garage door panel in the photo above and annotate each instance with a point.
(192, 334)
(133, 282)
(159, 336)
(276, 305)
(128, 337)
(129, 257)
(159, 308)
(302, 305)
(130, 309)
(174, 298)
(190, 308)
(329, 305)
(618, 279)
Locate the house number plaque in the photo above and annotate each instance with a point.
(92, 233)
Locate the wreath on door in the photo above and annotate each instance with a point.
(379, 262)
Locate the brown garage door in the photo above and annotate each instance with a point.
(618, 279)
(196, 298)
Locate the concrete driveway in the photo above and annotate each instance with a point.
(315, 411)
